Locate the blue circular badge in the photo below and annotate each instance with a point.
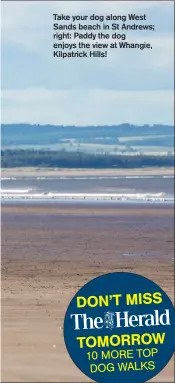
(119, 327)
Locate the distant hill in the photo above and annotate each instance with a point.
(125, 134)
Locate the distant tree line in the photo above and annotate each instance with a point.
(64, 159)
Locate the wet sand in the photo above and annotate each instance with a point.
(48, 253)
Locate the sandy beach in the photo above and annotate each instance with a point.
(48, 253)
(56, 172)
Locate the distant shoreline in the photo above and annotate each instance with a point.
(56, 172)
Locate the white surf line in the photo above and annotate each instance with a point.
(88, 196)
(15, 191)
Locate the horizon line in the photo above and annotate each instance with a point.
(87, 126)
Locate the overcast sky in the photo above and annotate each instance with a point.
(128, 86)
